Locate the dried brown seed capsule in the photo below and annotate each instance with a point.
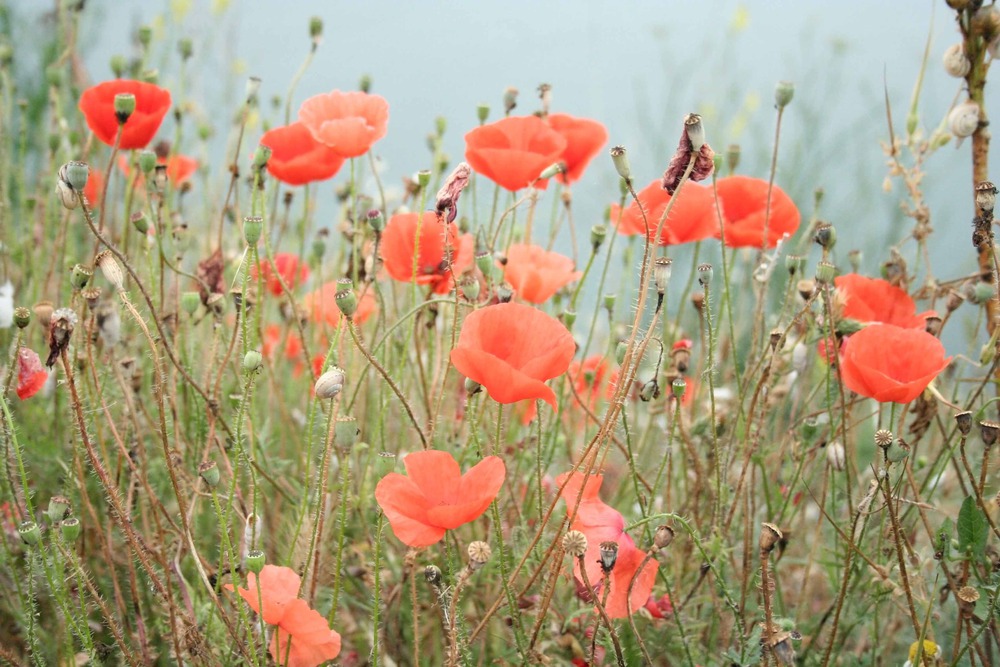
(770, 535)
(663, 537)
(479, 553)
(575, 543)
(883, 438)
(963, 420)
(989, 431)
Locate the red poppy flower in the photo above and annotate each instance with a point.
(744, 209)
(436, 496)
(512, 349)
(592, 379)
(95, 185)
(180, 168)
(312, 640)
(512, 152)
(151, 104)
(601, 523)
(584, 139)
(349, 123)
(659, 608)
(293, 271)
(436, 241)
(890, 363)
(876, 300)
(297, 158)
(536, 274)
(692, 218)
(30, 374)
(321, 304)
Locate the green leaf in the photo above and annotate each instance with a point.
(972, 528)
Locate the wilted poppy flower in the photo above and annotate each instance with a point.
(30, 374)
(535, 273)
(890, 363)
(514, 151)
(602, 523)
(443, 253)
(435, 496)
(180, 168)
(297, 158)
(321, 304)
(876, 300)
(349, 123)
(151, 104)
(292, 270)
(312, 640)
(511, 350)
(744, 211)
(692, 218)
(584, 139)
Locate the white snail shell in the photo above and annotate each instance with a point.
(956, 63)
(964, 119)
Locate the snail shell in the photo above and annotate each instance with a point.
(964, 119)
(956, 63)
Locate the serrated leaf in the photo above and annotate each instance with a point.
(972, 528)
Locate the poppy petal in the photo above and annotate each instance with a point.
(405, 506)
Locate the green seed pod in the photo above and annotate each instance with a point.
(70, 529)
(255, 560)
(124, 106)
(252, 360)
(253, 227)
(209, 472)
(30, 533)
(147, 162)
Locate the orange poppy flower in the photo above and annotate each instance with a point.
(584, 139)
(876, 300)
(512, 152)
(436, 242)
(536, 274)
(890, 363)
(180, 168)
(151, 104)
(297, 158)
(312, 640)
(744, 211)
(692, 218)
(602, 523)
(349, 123)
(321, 304)
(30, 375)
(292, 270)
(511, 350)
(435, 496)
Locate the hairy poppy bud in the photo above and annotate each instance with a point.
(252, 360)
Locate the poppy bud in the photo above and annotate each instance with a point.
(553, 170)
(252, 360)
(112, 271)
(347, 302)
(620, 351)
(484, 261)
(315, 28)
(825, 273)
(30, 533)
(989, 432)
(569, 318)
(482, 112)
(509, 99)
(883, 438)
(58, 508)
(770, 535)
(609, 301)
(986, 196)
(783, 94)
(472, 387)
(836, 456)
(261, 155)
(330, 383)
(22, 317)
(825, 236)
(253, 226)
(574, 543)
(185, 48)
(964, 119)
(70, 529)
(649, 391)
(365, 83)
(190, 302)
(124, 107)
(79, 276)
(470, 289)
(963, 420)
(479, 553)
(620, 159)
(678, 386)
(209, 472)
(118, 65)
(661, 273)
(75, 174)
(609, 556)
(597, 235)
(704, 274)
(255, 560)
(663, 536)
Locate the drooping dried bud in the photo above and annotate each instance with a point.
(574, 543)
(60, 329)
(956, 63)
(111, 269)
(989, 432)
(649, 391)
(986, 196)
(619, 158)
(479, 553)
(770, 535)
(447, 196)
(663, 536)
(691, 146)
(509, 99)
(330, 383)
(609, 556)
